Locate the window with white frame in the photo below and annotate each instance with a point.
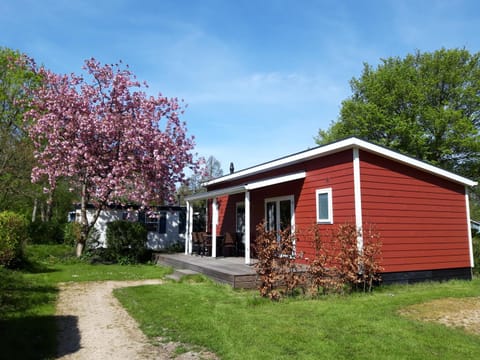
(324, 206)
(240, 217)
(279, 213)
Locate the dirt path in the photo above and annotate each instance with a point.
(93, 325)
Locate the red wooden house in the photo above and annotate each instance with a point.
(420, 211)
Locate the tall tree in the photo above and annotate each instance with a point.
(213, 169)
(112, 142)
(426, 105)
(16, 152)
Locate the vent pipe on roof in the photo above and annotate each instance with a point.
(232, 168)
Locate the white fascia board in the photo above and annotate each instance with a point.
(246, 187)
(381, 151)
(337, 147)
(276, 180)
(284, 161)
(212, 194)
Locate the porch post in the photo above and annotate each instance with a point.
(469, 226)
(188, 235)
(214, 227)
(247, 227)
(358, 198)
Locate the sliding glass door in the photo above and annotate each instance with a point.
(279, 213)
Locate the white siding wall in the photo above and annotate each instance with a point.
(105, 217)
(172, 236)
(155, 241)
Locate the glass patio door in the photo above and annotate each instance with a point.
(279, 214)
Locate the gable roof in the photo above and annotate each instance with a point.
(335, 147)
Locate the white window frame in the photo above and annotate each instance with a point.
(329, 219)
(277, 201)
(239, 228)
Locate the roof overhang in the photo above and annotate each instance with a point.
(247, 187)
(336, 147)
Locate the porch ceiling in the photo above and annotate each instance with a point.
(246, 187)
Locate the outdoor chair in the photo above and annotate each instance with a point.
(197, 240)
(239, 244)
(229, 245)
(206, 244)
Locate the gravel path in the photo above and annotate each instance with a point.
(93, 325)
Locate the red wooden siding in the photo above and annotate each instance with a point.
(421, 218)
(333, 171)
(227, 213)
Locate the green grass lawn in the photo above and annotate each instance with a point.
(240, 325)
(234, 324)
(27, 297)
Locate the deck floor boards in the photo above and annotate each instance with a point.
(227, 270)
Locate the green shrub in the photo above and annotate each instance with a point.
(177, 247)
(46, 232)
(13, 236)
(476, 253)
(126, 241)
(71, 233)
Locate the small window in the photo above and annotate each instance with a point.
(182, 222)
(157, 222)
(324, 206)
(162, 223)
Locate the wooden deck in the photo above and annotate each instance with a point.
(226, 270)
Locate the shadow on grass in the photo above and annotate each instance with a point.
(27, 331)
(19, 296)
(34, 337)
(34, 267)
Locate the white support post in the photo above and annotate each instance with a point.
(358, 198)
(214, 227)
(469, 227)
(188, 235)
(247, 227)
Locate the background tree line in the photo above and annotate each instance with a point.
(96, 138)
(17, 192)
(426, 105)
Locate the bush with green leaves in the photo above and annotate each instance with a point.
(71, 233)
(476, 253)
(46, 232)
(13, 237)
(126, 242)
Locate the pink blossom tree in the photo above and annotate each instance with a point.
(113, 143)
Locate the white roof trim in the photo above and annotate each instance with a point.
(415, 163)
(276, 180)
(246, 187)
(338, 146)
(211, 194)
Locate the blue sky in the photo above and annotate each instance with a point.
(260, 77)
